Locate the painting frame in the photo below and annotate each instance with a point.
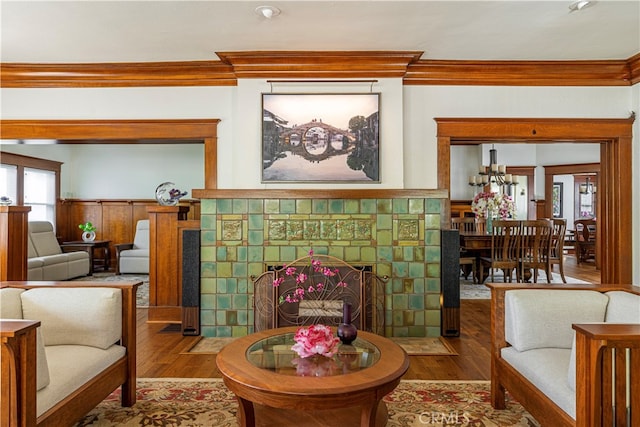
(556, 200)
(320, 138)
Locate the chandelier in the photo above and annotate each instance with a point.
(495, 174)
(587, 188)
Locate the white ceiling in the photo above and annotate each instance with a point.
(141, 31)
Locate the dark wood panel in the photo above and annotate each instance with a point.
(117, 222)
(85, 212)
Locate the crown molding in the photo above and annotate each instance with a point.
(634, 68)
(319, 64)
(117, 74)
(323, 64)
(519, 73)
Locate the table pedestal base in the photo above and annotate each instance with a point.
(266, 416)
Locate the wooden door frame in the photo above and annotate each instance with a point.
(572, 169)
(615, 138)
(123, 132)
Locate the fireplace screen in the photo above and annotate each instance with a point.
(313, 290)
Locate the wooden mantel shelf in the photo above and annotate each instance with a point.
(318, 194)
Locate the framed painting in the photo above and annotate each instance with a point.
(320, 137)
(557, 200)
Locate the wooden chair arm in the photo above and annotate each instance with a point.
(14, 328)
(596, 374)
(18, 385)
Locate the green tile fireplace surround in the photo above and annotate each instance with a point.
(397, 232)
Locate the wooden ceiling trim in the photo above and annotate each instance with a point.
(66, 130)
(132, 74)
(519, 73)
(319, 64)
(323, 64)
(634, 68)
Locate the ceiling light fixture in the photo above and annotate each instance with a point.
(494, 173)
(580, 4)
(267, 11)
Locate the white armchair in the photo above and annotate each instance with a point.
(134, 257)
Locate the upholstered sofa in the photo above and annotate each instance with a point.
(47, 260)
(79, 337)
(552, 347)
(134, 257)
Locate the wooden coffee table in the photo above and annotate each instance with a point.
(266, 378)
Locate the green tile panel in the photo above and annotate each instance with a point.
(400, 238)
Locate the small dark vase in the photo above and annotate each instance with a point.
(346, 331)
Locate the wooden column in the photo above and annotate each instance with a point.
(165, 289)
(14, 247)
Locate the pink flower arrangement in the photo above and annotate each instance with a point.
(314, 278)
(316, 339)
(500, 204)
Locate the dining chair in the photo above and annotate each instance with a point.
(585, 239)
(557, 246)
(535, 248)
(463, 223)
(505, 249)
(466, 224)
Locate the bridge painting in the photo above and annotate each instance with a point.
(320, 138)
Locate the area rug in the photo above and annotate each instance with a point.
(470, 290)
(142, 296)
(207, 402)
(431, 346)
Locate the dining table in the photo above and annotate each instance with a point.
(476, 244)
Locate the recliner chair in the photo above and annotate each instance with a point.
(134, 257)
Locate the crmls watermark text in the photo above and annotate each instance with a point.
(444, 418)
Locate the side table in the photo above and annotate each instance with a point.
(90, 248)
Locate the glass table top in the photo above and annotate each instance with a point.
(275, 354)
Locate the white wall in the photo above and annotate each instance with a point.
(424, 103)
(244, 153)
(407, 121)
(101, 171)
(465, 161)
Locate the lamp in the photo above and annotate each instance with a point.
(494, 173)
(267, 11)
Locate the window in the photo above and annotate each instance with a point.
(29, 181)
(40, 193)
(9, 182)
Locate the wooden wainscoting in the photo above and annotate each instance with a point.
(114, 219)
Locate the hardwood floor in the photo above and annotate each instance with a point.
(164, 354)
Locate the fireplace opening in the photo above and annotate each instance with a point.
(313, 289)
